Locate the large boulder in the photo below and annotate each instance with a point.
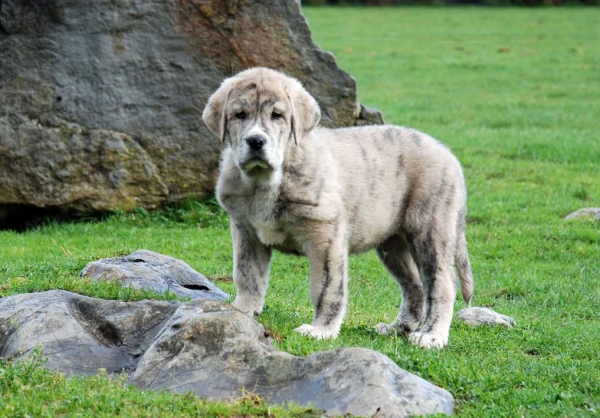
(230, 353)
(207, 347)
(101, 101)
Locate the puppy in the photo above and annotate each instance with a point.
(291, 186)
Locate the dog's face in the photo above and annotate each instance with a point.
(260, 112)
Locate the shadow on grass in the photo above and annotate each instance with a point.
(203, 213)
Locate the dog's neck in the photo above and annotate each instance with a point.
(263, 180)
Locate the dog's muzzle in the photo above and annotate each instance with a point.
(255, 156)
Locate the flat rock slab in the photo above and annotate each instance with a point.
(484, 316)
(145, 269)
(80, 334)
(584, 213)
(207, 347)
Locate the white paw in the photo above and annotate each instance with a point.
(386, 329)
(317, 332)
(395, 329)
(427, 340)
(249, 306)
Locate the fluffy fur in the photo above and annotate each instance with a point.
(325, 193)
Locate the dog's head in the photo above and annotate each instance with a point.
(260, 112)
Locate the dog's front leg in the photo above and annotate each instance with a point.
(328, 255)
(251, 260)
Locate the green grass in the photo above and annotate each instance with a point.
(516, 94)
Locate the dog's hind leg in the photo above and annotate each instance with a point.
(433, 252)
(395, 255)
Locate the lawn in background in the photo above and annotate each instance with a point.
(515, 93)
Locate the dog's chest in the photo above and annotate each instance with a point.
(265, 218)
(269, 233)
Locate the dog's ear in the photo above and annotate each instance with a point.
(305, 111)
(214, 114)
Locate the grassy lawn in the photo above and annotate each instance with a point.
(515, 93)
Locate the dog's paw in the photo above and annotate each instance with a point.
(394, 329)
(388, 329)
(385, 329)
(249, 306)
(427, 340)
(317, 332)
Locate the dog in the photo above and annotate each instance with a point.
(295, 187)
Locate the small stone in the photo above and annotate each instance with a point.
(145, 269)
(584, 213)
(484, 316)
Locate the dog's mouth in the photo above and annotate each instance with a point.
(256, 163)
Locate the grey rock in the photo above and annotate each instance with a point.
(101, 101)
(207, 347)
(484, 316)
(584, 213)
(369, 116)
(145, 269)
(215, 351)
(55, 164)
(79, 334)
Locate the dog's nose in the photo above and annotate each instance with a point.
(255, 142)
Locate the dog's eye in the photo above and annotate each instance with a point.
(276, 115)
(241, 115)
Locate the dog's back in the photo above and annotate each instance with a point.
(383, 172)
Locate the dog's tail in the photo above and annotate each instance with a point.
(461, 259)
